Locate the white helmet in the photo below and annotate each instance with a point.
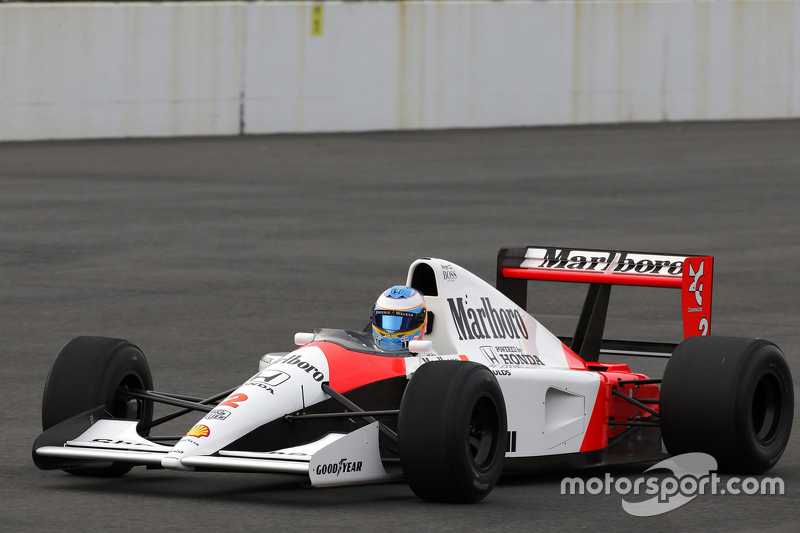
(399, 316)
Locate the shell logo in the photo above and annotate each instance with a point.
(199, 431)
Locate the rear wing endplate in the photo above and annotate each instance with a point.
(692, 274)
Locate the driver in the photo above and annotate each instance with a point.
(399, 316)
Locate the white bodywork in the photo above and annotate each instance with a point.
(548, 404)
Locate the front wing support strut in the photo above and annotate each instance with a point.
(176, 400)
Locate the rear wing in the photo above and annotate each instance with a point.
(602, 269)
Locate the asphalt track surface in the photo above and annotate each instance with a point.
(209, 252)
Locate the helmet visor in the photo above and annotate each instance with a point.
(398, 320)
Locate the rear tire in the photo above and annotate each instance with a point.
(452, 432)
(731, 398)
(88, 372)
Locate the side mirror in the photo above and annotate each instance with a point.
(420, 346)
(301, 339)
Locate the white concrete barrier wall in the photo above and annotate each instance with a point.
(119, 70)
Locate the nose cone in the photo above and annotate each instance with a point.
(279, 389)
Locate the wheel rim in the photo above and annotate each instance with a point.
(483, 433)
(767, 404)
(124, 406)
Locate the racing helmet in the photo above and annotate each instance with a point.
(399, 316)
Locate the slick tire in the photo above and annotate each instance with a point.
(89, 371)
(452, 432)
(731, 398)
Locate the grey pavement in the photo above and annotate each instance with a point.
(209, 252)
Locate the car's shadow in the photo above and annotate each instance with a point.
(283, 490)
(239, 488)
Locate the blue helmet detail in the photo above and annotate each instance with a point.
(400, 292)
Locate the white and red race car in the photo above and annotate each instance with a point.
(487, 390)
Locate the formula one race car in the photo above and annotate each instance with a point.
(487, 390)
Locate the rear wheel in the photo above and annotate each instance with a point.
(91, 371)
(731, 398)
(452, 432)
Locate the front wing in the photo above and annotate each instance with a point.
(335, 459)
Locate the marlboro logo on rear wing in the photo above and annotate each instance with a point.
(602, 269)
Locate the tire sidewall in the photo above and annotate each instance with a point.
(707, 401)
(477, 481)
(433, 431)
(767, 360)
(87, 372)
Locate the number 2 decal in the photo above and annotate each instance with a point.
(234, 400)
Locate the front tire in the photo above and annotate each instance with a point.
(88, 372)
(452, 432)
(731, 398)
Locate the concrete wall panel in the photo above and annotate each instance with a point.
(121, 70)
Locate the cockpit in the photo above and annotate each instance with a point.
(356, 341)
